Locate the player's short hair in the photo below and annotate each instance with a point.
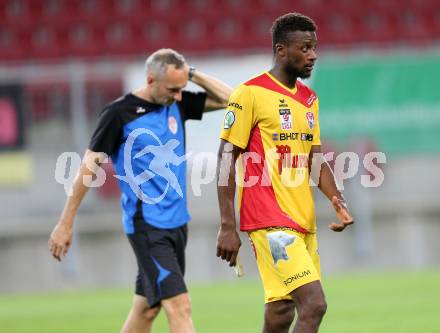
(288, 23)
(158, 61)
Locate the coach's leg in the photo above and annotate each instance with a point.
(178, 311)
(278, 316)
(310, 305)
(141, 316)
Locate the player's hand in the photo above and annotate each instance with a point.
(343, 215)
(228, 244)
(60, 240)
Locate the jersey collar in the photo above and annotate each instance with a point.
(292, 91)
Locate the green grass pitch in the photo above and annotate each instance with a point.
(400, 302)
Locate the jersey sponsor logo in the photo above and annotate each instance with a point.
(306, 137)
(293, 136)
(289, 136)
(278, 241)
(229, 120)
(310, 119)
(285, 119)
(288, 160)
(283, 103)
(235, 105)
(140, 109)
(297, 276)
(270, 229)
(283, 151)
(172, 124)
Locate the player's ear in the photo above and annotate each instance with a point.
(150, 79)
(281, 50)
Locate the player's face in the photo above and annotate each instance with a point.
(300, 55)
(167, 88)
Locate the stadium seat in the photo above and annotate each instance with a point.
(413, 25)
(378, 27)
(118, 38)
(13, 43)
(45, 42)
(151, 34)
(84, 40)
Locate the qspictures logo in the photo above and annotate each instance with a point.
(160, 165)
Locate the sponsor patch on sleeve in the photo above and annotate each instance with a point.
(229, 120)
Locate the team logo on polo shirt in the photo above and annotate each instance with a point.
(172, 124)
(310, 119)
(229, 120)
(285, 119)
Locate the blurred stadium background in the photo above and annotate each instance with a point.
(62, 61)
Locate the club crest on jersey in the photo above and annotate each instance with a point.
(285, 119)
(172, 124)
(310, 119)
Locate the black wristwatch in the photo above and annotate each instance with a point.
(192, 69)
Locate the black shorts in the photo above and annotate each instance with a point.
(160, 255)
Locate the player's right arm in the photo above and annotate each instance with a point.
(61, 237)
(228, 241)
(103, 143)
(238, 123)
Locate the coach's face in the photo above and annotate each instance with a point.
(299, 55)
(167, 88)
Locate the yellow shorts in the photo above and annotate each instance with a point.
(287, 259)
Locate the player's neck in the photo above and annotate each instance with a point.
(288, 80)
(143, 93)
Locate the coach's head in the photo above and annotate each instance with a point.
(166, 76)
(294, 44)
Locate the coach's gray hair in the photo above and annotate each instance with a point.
(157, 62)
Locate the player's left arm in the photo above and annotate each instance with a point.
(217, 91)
(322, 175)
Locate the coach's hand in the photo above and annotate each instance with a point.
(343, 215)
(60, 240)
(228, 244)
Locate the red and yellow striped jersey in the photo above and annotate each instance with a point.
(277, 127)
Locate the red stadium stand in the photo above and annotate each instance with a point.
(53, 29)
(48, 99)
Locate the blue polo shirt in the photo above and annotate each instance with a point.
(146, 143)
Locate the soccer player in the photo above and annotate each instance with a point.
(144, 133)
(272, 122)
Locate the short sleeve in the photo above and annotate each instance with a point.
(239, 117)
(316, 130)
(192, 105)
(108, 131)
